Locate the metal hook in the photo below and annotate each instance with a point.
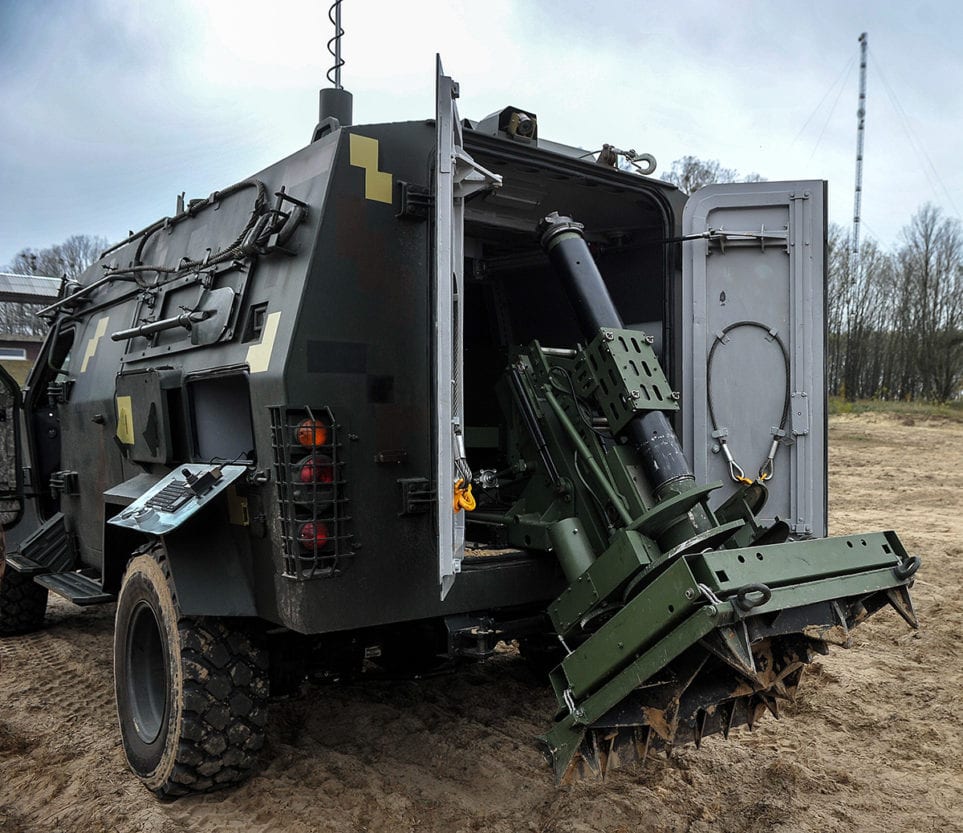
(768, 468)
(735, 470)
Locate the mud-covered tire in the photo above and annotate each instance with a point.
(23, 603)
(191, 692)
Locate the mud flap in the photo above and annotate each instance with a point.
(211, 569)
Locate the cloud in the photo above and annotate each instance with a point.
(116, 107)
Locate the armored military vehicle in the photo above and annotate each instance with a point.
(423, 387)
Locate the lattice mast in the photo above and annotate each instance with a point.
(860, 131)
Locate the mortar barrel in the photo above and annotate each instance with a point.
(650, 432)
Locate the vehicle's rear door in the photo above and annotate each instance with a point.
(753, 327)
(456, 177)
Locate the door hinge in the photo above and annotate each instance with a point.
(799, 413)
(64, 483)
(59, 392)
(416, 202)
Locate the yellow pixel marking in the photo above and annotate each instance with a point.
(259, 355)
(93, 341)
(125, 419)
(364, 154)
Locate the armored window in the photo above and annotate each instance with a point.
(254, 324)
(221, 417)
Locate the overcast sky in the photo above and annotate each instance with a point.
(112, 107)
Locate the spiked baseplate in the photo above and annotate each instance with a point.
(679, 620)
(696, 652)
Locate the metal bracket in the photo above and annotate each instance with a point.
(65, 483)
(417, 495)
(722, 238)
(621, 369)
(416, 201)
(391, 456)
(59, 392)
(799, 413)
(470, 177)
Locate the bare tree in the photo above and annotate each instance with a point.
(68, 259)
(931, 267)
(896, 323)
(856, 315)
(691, 173)
(837, 255)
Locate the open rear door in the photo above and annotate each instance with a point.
(457, 176)
(753, 327)
(11, 468)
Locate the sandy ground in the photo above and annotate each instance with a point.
(873, 742)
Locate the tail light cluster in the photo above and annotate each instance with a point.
(310, 481)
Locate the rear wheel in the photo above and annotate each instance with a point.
(22, 602)
(191, 692)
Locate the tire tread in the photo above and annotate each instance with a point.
(23, 603)
(224, 703)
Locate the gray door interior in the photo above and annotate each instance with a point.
(753, 326)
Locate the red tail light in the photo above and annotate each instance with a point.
(316, 469)
(313, 535)
(312, 433)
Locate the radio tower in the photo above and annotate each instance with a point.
(860, 128)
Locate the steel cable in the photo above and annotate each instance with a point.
(719, 339)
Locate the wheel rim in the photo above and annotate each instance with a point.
(146, 673)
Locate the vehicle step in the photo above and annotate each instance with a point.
(48, 550)
(82, 590)
(27, 566)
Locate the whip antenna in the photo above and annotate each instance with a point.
(334, 45)
(335, 102)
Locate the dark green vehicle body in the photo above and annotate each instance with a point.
(353, 309)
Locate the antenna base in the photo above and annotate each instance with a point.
(334, 111)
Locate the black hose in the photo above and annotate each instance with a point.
(228, 253)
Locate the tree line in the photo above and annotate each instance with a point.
(895, 319)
